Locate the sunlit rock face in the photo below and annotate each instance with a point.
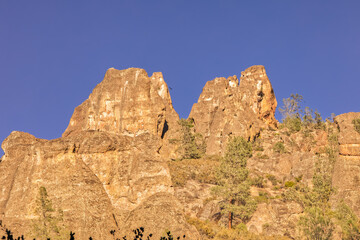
(346, 178)
(128, 102)
(107, 166)
(226, 108)
(30, 163)
(109, 170)
(125, 102)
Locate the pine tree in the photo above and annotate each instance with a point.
(50, 221)
(232, 181)
(192, 144)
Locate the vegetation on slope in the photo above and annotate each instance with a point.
(192, 145)
(232, 181)
(320, 219)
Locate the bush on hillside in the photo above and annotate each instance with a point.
(356, 123)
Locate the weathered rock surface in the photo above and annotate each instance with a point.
(346, 177)
(198, 201)
(110, 171)
(30, 163)
(276, 218)
(349, 139)
(97, 178)
(128, 102)
(171, 218)
(226, 108)
(297, 160)
(106, 168)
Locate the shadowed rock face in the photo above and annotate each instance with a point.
(346, 178)
(226, 108)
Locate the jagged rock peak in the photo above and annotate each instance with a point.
(262, 97)
(126, 102)
(227, 107)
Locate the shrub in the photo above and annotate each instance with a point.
(348, 221)
(272, 179)
(266, 226)
(279, 147)
(262, 156)
(356, 123)
(204, 227)
(317, 224)
(258, 182)
(262, 198)
(293, 124)
(299, 178)
(289, 184)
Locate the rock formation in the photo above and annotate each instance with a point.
(346, 178)
(106, 171)
(128, 102)
(226, 108)
(110, 169)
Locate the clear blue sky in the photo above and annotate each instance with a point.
(53, 53)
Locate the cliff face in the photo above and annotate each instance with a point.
(106, 170)
(128, 102)
(109, 170)
(226, 108)
(346, 177)
(30, 163)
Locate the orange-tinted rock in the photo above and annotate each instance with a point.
(346, 177)
(226, 108)
(128, 102)
(108, 162)
(349, 139)
(97, 178)
(257, 91)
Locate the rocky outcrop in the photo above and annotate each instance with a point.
(108, 168)
(98, 179)
(346, 177)
(226, 108)
(349, 139)
(30, 163)
(128, 102)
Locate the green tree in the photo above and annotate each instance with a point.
(233, 184)
(49, 223)
(192, 144)
(317, 223)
